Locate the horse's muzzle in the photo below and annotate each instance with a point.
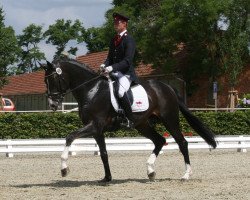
(53, 104)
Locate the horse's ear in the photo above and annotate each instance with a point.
(44, 66)
(49, 65)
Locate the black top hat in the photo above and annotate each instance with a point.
(118, 16)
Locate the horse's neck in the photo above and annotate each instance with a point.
(85, 95)
(80, 76)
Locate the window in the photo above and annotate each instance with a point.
(7, 102)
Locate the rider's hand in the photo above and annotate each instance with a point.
(108, 69)
(102, 67)
(65, 53)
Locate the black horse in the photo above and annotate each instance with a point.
(97, 113)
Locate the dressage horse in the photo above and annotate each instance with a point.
(92, 93)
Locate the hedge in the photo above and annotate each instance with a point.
(59, 125)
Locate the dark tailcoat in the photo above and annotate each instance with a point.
(121, 56)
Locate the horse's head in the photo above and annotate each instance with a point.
(56, 84)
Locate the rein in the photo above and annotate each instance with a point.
(84, 83)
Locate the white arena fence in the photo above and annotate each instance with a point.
(65, 104)
(9, 147)
(64, 110)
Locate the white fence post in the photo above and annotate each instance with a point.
(9, 146)
(62, 107)
(72, 153)
(242, 143)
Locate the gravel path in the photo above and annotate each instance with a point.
(217, 175)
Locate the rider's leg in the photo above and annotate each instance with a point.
(124, 85)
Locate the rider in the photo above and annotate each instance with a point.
(120, 63)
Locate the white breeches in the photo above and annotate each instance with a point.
(124, 83)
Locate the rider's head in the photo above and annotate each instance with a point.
(120, 22)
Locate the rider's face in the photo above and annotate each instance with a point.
(120, 25)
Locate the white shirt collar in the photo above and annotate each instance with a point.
(122, 33)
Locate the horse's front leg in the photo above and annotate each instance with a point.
(87, 131)
(104, 156)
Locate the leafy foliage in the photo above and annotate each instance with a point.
(59, 125)
(160, 26)
(95, 39)
(60, 33)
(232, 44)
(31, 54)
(39, 125)
(9, 48)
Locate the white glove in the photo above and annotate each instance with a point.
(108, 69)
(65, 53)
(102, 66)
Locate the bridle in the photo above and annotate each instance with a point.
(60, 94)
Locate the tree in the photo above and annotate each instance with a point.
(232, 44)
(95, 39)
(60, 33)
(9, 49)
(159, 27)
(30, 38)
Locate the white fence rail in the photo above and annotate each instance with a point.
(69, 104)
(9, 147)
(64, 110)
(64, 104)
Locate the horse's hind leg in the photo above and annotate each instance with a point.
(86, 131)
(149, 132)
(171, 122)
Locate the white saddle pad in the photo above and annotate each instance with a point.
(140, 96)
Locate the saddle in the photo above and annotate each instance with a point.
(137, 96)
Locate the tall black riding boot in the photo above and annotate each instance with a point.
(127, 110)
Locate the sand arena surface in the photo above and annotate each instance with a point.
(217, 175)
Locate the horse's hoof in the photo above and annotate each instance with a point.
(105, 180)
(185, 177)
(151, 176)
(65, 172)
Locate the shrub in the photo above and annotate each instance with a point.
(59, 125)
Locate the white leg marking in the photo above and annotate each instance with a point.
(64, 158)
(151, 163)
(188, 172)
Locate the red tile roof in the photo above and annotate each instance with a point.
(33, 83)
(94, 60)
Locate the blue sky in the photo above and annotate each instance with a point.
(20, 13)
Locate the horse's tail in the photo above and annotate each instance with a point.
(197, 125)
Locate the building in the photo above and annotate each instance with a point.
(202, 97)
